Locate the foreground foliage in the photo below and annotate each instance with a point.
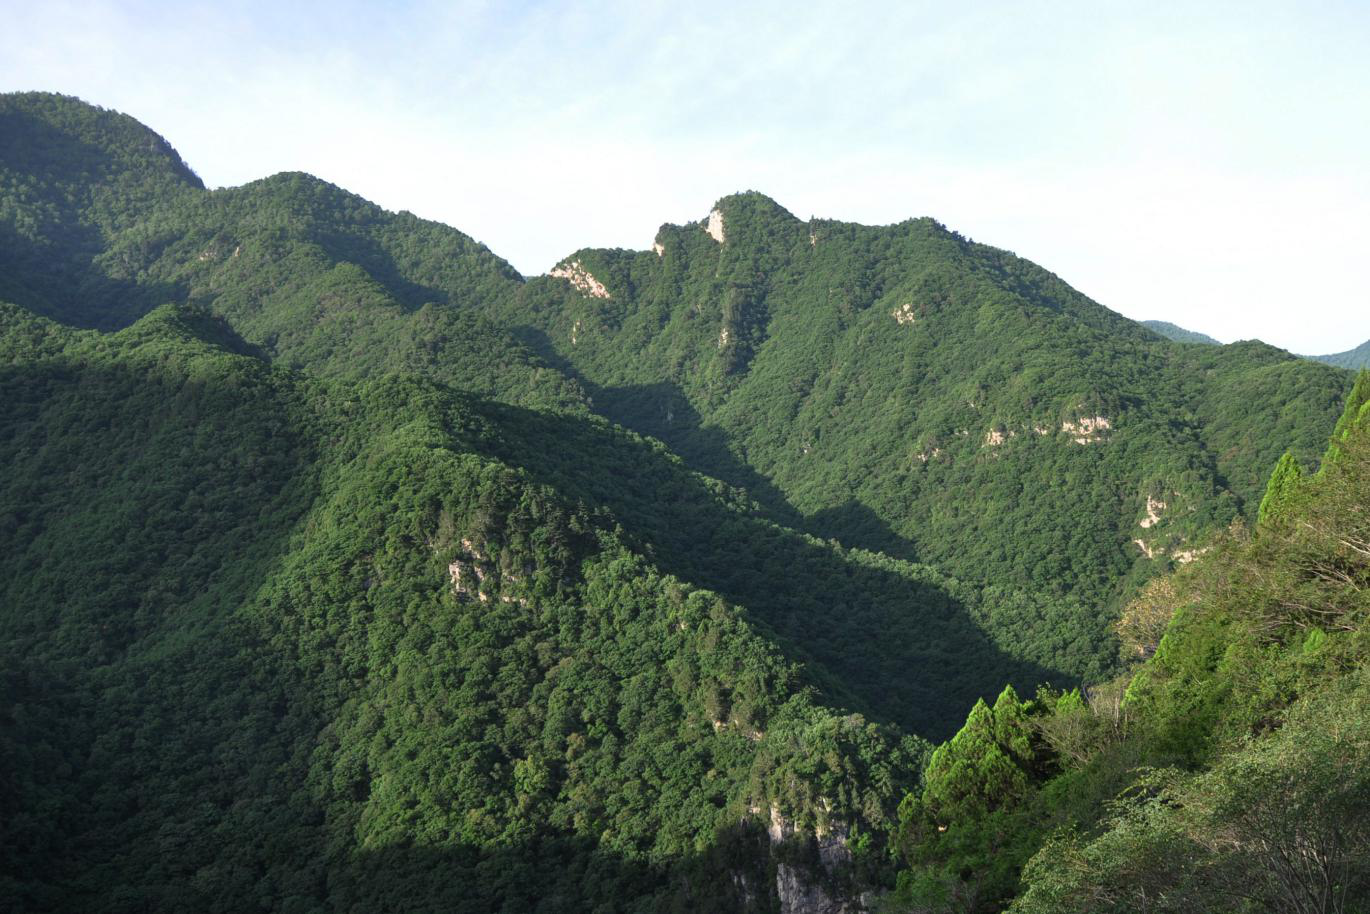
(1228, 771)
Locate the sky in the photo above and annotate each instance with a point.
(1204, 164)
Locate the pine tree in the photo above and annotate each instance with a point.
(1284, 482)
(1011, 728)
(971, 773)
(1354, 412)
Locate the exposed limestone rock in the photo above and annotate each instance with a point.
(797, 892)
(1186, 556)
(925, 456)
(575, 332)
(659, 249)
(467, 574)
(1146, 550)
(715, 226)
(724, 336)
(813, 239)
(904, 314)
(466, 579)
(1042, 429)
(1154, 507)
(580, 279)
(751, 733)
(994, 437)
(1087, 430)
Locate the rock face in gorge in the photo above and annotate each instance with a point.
(813, 871)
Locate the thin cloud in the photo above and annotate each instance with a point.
(1199, 166)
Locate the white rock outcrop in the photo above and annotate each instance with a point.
(580, 279)
(1087, 429)
(467, 575)
(995, 437)
(904, 314)
(715, 226)
(1154, 507)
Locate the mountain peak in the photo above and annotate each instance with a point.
(62, 136)
(754, 203)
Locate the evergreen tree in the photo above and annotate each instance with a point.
(1350, 416)
(1011, 728)
(974, 772)
(1284, 482)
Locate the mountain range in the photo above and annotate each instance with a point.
(345, 567)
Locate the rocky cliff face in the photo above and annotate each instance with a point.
(813, 871)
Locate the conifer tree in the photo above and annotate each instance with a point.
(1011, 728)
(1284, 482)
(1353, 413)
(970, 772)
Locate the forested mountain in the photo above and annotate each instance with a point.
(1179, 334)
(314, 643)
(906, 390)
(1353, 358)
(346, 568)
(100, 228)
(1227, 768)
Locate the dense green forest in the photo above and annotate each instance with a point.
(906, 390)
(1226, 768)
(344, 568)
(307, 641)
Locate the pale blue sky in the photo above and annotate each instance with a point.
(1207, 167)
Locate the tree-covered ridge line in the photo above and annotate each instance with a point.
(312, 275)
(1179, 334)
(899, 389)
(1226, 769)
(1355, 359)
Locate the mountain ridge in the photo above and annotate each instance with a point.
(645, 585)
(1179, 334)
(1354, 359)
